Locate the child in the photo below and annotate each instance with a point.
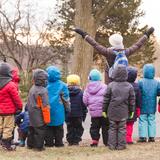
(149, 88)
(119, 100)
(37, 126)
(57, 92)
(117, 54)
(22, 121)
(78, 111)
(10, 102)
(132, 75)
(93, 99)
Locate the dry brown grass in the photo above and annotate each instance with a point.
(148, 151)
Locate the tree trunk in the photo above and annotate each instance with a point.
(83, 52)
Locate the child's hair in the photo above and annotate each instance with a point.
(95, 75)
(73, 79)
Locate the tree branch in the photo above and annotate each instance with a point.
(101, 13)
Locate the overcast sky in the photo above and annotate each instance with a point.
(46, 8)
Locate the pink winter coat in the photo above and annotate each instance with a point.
(93, 97)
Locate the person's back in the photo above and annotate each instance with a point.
(119, 101)
(58, 93)
(93, 98)
(10, 102)
(78, 111)
(149, 88)
(37, 127)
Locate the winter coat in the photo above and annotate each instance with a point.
(109, 53)
(78, 108)
(55, 88)
(93, 97)
(22, 120)
(10, 101)
(119, 99)
(38, 89)
(149, 88)
(132, 75)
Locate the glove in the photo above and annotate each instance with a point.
(104, 114)
(82, 33)
(159, 108)
(149, 32)
(131, 115)
(138, 112)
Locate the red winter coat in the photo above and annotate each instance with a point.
(10, 101)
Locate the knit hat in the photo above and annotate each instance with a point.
(73, 79)
(116, 41)
(95, 75)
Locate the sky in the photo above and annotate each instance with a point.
(46, 9)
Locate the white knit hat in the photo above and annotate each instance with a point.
(116, 41)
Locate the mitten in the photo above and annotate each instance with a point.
(81, 32)
(138, 112)
(104, 114)
(159, 108)
(131, 115)
(149, 31)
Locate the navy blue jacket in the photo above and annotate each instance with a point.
(78, 108)
(22, 120)
(132, 75)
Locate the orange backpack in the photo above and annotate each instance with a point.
(45, 110)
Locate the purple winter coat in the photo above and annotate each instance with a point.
(93, 97)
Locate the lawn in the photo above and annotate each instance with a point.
(148, 151)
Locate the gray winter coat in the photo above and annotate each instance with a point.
(119, 99)
(35, 113)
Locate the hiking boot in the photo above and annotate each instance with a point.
(112, 147)
(142, 140)
(6, 144)
(21, 143)
(129, 143)
(151, 139)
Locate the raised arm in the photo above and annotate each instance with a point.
(101, 49)
(139, 43)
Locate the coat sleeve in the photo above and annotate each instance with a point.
(85, 98)
(158, 89)
(18, 118)
(131, 100)
(101, 49)
(136, 46)
(15, 97)
(107, 98)
(84, 107)
(138, 98)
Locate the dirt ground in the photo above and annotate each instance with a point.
(148, 151)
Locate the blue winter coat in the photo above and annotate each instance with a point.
(56, 87)
(150, 88)
(78, 108)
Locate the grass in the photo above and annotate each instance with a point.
(147, 151)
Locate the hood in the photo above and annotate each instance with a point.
(94, 87)
(132, 74)
(15, 75)
(120, 73)
(5, 74)
(40, 77)
(74, 90)
(54, 74)
(148, 71)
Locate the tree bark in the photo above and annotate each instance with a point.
(83, 52)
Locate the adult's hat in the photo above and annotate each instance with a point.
(116, 41)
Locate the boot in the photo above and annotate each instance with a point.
(142, 140)
(6, 144)
(151, 139)
(94, 143)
